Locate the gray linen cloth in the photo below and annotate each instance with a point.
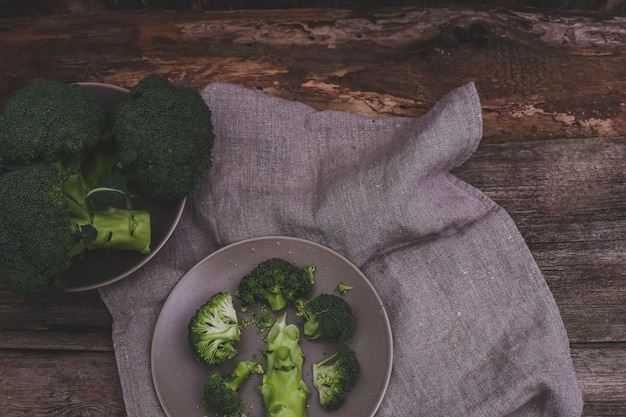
(476, 331)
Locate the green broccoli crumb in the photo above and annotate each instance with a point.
(343, 288)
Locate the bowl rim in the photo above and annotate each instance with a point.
(77, 287)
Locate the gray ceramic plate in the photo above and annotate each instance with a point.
(178, 378)
(99, 268)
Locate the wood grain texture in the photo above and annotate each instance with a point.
(14, 8)
(568, 198)
(76, 321)
(601, 373)
(59, 384)
(540, 76)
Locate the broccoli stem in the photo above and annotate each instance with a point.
(241, 373)
(276, 301)
(122, 229)
(100, 228)
(112, 228)
(309, 270)
(283, 389)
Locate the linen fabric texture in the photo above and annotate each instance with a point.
(476, 331)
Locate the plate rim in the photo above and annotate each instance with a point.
(383, 309)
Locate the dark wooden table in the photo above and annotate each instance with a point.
(553, 90)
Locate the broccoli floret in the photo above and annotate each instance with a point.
(165, 136)
(45, 225)
(283, 389)
(220, 393)
(214, 329)
(48, 120)
(276, 282)
(327, 317)
(335, 376)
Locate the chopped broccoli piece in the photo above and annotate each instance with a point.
(49, 120)
(276, 282)
(165, 136)
(343, 288)
(283, 389)
(214, 329)
(44, 225)
(335, 376)
(327, 317)
(220, 393)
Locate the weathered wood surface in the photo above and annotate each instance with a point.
(14, 8)
(554, 104)
(568, 199)
(539, 76)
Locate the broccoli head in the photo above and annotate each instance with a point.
(49, 120)
(214, 329)
(165, 136)
(335, 376)
(43, 228)
(327, 317)
(283, 389)
(220, 393)
(276, 282)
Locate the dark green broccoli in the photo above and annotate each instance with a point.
(262, 319)
(220, 393)
(48, 120)
(65, 127)
(214, 329)
(283, 389)
(327, 317)
(165, 136)
(45, 224)
(335, 376)
(104, 177)
(276, 282)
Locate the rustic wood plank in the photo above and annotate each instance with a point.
(601, 372)
(14, 8)
(568, 199)
(540, 75)
(76, 321)
(58, 384)
(75, 384)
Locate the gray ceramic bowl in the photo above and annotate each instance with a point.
(99, 268)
